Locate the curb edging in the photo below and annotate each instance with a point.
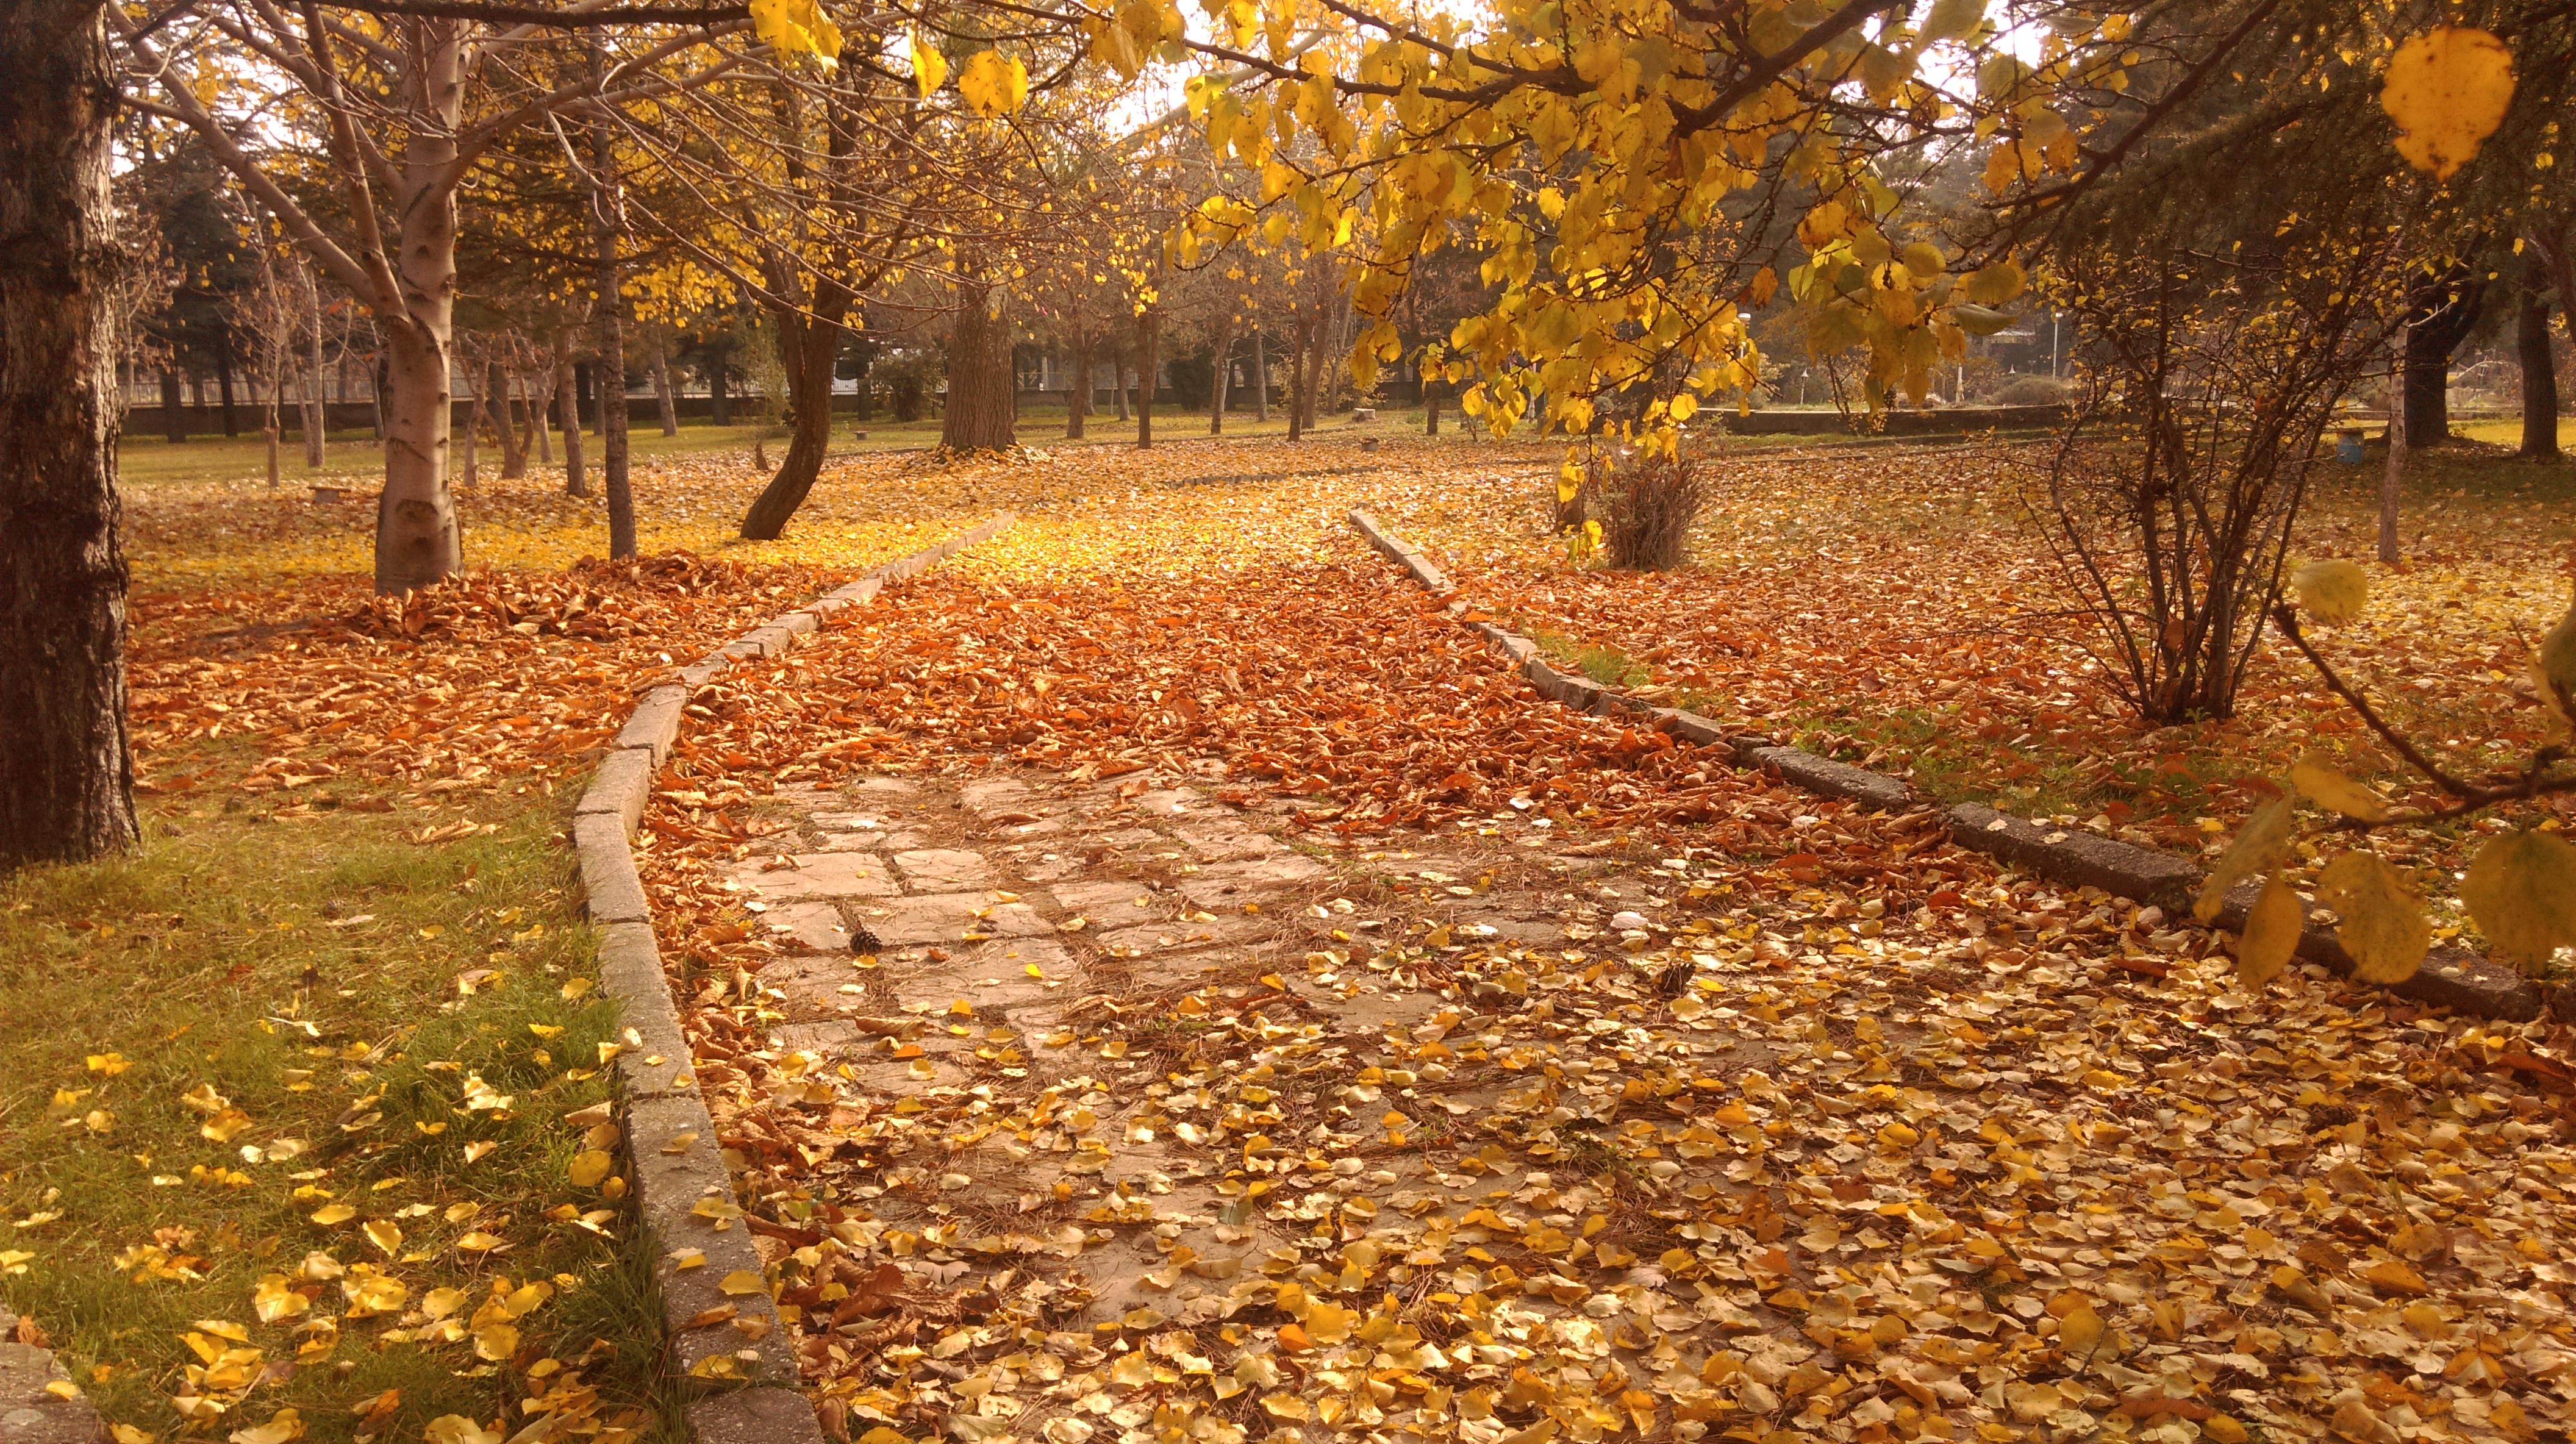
(2450, 977)
(674, 1160)
(30, 1411)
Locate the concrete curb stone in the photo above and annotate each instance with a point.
(2449, 978)
(29, 1412)
(670, 1137)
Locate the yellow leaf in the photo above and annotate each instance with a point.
(2447, 89)
(275, 1298)
(333, 1213)
(742, 1282)
(993, 83)
(281, 1427)
(2553, 667)
(2080, 1330)
(2521, 888)
(590, 1166)
(1682, 406)
(457, 1429)
(384, 1234)
(2319, 782)
(2332, 591)
(929, 67)
(2396, 1276)
(2271, 934)
(494, 1343)
(2262, 842)
(2383, 926)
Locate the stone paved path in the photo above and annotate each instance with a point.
(1015, 946)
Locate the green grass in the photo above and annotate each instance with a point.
(227, 952)
(1607, 666)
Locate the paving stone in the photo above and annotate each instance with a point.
(987, 796)
(1107, 902)
(1167, 802)
(1180, 936)
(883, 789)
(1231, 884)
(813, 982)
(1134, 837)
(941, 869)
(816, 925)
(953, 917)
(1213, 844)
(815, 875)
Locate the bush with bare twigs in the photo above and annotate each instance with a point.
(1646, 505)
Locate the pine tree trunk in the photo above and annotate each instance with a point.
(611, 306)
(1219, 376)
(568, 414)
(662, 396)
(2539, 366)
(66, 774)
(174, 415)
(224, 378)
(1149, 347)
(983, 390)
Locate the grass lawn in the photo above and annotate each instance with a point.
(285, 1120)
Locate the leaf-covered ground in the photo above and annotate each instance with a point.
(1217, 1002)
(1279, 1025)
(1894, 608)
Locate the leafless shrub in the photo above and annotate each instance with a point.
(2170, 498)
(1647, 505)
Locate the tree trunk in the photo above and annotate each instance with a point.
(376, 381)
(475, 411)
(808, 344)
(662, 397)
(719, 399)
(1260, 375)
(1118, 379)
(2442, 318)
(514, 444)
(539, 422)
(174, 414)
(1077, 398)
(1299, 338)
(983, 392)
(66, 774)
(589, 398)
(606, 215)
(317, 411)
(2392, 481)
(1430, 407)
(268, 423)
(568, 414)
(2539, 366)
(224, 378)
(1219, 376)
(1149, 365)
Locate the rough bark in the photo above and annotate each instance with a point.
(2392, 480)
(317, 414)
(983, 393)
(1149, 364)
(66, 773)
(514, 443)
(2442, 318)
(1300, 337)
(807, 343)
(568, 415)
(1118, 379)
(538, 424)
(606, 217)
(662, 397)
(2539, 366)
(469, 463)
(719, 397)
(174, 416)
(1260, 375)
(1077, 396)
(1430, 407)
(268, 422)
(224, 378)
(1218, 375)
